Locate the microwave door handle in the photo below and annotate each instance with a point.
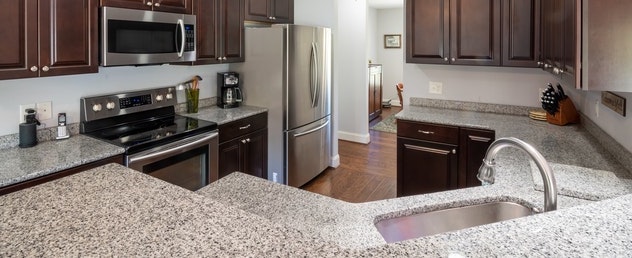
(182, 37)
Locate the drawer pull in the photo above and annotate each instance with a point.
(244, 127)
(425, 132)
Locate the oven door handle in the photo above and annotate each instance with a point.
(170, 151)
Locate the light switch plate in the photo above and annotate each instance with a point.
(435, 88)
(44, 110)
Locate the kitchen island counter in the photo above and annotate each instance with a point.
(114, 211)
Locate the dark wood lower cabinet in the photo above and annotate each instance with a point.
(247, 154)
(433, 158)
(425, 167)
(71, 171)
(473, 144)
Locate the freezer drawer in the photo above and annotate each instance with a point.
(308, 151)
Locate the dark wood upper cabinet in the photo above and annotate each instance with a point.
(428, 31)
(473, 32)
(48, 38)
(220, 34)
(521, 33)
(273, 11)
(172, 6)
(561, 40)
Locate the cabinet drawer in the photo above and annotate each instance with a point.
(242, 127)
(428, 132)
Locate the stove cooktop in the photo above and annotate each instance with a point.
(142, 135)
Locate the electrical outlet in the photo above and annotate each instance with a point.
(23, 112)
(274, 177)
(435, 88)
(44, 110)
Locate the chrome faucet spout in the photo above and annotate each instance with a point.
(487, 172)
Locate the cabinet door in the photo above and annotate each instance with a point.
(18, 50)
(425, 167)
(551, 17)
(68, 37)
(283, 11)
(173, 6)
(232, 31)
(258, 10)
(230, 157)
(521, 33)
(571, 42)
(475, 32)
(207, 46)
(256, 154)
(473, 144)
(427, 31)
(132, 4)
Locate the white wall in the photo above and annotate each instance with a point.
(65, 91)
(390, 21)
(372, 46)
(351, 63)
(324, 13)
(497, 85)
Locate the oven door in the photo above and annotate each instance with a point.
(190, 163)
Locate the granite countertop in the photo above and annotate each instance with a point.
(52, 156)
(225, 115)
(115, 211)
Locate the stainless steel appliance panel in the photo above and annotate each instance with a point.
(140, 39)
(308, 151)
(308, 95)
(190, 163)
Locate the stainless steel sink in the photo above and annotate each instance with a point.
(440, 221)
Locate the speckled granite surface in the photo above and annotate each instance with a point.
(584, 183)
(115, 211)
(222, 116)
(48, 157)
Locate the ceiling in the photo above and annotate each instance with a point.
(385, 4)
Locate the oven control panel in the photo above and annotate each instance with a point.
(105, 106)
(135, 101)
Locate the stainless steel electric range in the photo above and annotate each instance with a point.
(157, 141)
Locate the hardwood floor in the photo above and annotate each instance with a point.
(367, 172)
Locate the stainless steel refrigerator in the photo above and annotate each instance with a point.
(288, 71)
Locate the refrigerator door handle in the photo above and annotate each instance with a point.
(312, 130)
(314, 73)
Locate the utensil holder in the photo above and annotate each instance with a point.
(565, 115)
(193, 99)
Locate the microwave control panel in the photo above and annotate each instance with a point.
(189, 32)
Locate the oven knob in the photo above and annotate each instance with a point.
(110, 105)
(159, 98)
(169, 96)
(96, 107)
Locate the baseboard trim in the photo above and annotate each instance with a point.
(396, 103)
(354, 137)
(335, 161)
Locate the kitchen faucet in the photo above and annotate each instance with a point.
(487, 172)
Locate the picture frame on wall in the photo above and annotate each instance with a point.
(392, 40)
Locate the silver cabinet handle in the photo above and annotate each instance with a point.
(453, 151)
(224, 58)
(453, 59)
(270, 18)
(243, 141)
(244, 127)
(445, 59)
(45, 69)
(274, 18)
(219, 58)
(248, 140)
(425, 132)
(149, 3)
(34, 69)
(547, 66)
(157, 4)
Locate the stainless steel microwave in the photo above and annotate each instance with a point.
(137, 37)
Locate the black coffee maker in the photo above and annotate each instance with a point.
(228, 92)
